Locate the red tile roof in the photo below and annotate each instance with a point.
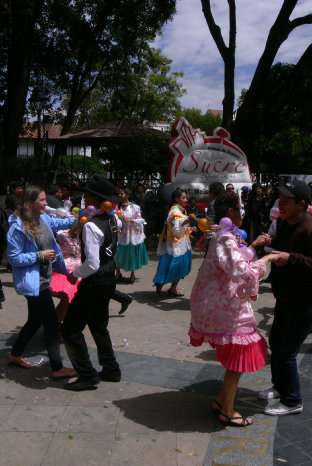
(113, 128)
(30, 130)
(215, 112)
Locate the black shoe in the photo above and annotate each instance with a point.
(2, 297)
(110, 377)
(158, 288)
(83, 384)
(174, 295)
(125, 304)
(0, 305)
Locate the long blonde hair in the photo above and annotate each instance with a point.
(25, 209)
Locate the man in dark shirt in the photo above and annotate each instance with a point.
(90, 303)
(54, 196)
(291, 286)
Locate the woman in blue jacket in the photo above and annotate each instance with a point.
(31, 250)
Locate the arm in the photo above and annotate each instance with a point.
(58, 223)
(16, 240)
(93, 238)
(233, 263)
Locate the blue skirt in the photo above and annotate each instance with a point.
(130, 258)
(171, 268)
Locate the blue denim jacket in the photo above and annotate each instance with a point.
(22, 249)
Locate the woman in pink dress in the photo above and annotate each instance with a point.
(70, 245)
(221, 313)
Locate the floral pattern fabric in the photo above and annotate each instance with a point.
(221, 312)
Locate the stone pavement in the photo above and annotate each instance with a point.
(159, 414)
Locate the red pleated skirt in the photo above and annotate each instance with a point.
(60, 284)
(242, 358)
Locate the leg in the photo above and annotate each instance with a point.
(29, 329)
(98, 322)
(118, 273)
(227, 396)
(122, 298)
(291, 327)
(45, 311)
(174, 286)
(62, 308)
(73, 325)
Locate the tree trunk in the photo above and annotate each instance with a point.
(245, 127)
(23, 17)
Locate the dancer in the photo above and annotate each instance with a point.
(31, 249)
(131, 252)
(90, 304)
(221, 313)
(174, 246)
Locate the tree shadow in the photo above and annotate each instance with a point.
(183, 411)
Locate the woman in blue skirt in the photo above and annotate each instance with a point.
(174, 246)
(131, 252)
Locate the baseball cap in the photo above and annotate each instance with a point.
(297, 189)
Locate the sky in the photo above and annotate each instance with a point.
(187, 42)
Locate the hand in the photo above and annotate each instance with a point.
(48, 254)
(71, 278)
(263, 240)
(192, 216)
(280, 258)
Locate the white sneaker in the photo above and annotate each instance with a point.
(278, 409)
(268, 394)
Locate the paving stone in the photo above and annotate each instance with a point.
(23, 448)
(145, 449)
(29, 418)
(88, 419)
(291, 454)
(79, 449)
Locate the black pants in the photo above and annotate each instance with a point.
(41, 311)
(291, 325)
(89, 307)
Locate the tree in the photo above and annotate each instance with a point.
(284, 119)
(144, 90)
(71, 45)
(205, 121)
(243, 129)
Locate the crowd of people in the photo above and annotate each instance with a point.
(81, 256)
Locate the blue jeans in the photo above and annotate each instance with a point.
(41, 311)
(291, 325)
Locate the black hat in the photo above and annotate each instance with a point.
(297, 189)
(101, 187)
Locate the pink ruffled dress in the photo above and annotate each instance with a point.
(71, 250)
(221, 313)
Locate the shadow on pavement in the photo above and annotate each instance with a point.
(163, 304)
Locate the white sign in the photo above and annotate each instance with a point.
(199, 160)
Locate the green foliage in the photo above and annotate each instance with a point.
(79, 167)
(136, 158)
(283, 123)
(205, 121)
(143, 89)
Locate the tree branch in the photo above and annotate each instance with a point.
(215, 30)
(300, 21)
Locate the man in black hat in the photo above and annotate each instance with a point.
(291, 286)
(90, 303)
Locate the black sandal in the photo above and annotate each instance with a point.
(218, 410)
(230, 422)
